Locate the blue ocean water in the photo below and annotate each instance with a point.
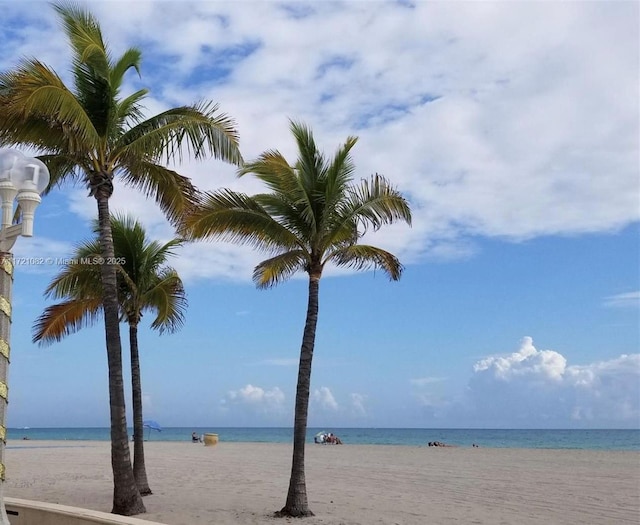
(499, 438)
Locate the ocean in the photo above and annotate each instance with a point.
(498, 438)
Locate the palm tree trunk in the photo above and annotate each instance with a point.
(139, 469)
(297, 504)
(126, 497)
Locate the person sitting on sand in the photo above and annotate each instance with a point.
(333, 439)
(439, 444)
(195, 438)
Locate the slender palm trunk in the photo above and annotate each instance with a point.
(126, 497)
(139, 469)
(297, 504)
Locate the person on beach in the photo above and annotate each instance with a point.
(195, 438)
(439, 444)
(333, 439)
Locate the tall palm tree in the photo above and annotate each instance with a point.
(145, 284)
(313, 216)
(92, 134)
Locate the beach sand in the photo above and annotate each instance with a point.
(244, 483)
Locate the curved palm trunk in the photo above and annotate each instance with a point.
(297, 504)
(126, 497)
(139, 469)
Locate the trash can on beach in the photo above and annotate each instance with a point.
(210, 440)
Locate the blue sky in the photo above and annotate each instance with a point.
(513, 128)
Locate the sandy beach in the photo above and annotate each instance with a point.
(244, 483)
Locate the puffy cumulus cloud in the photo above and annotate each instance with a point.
(344, 409)
(256, 400)
(324, 399)
(534, 387)
(526, 362)
(607, 389)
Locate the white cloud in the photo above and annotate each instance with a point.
(538, 388)
(423, 381)
(323, 398)
(256, 400)
(358, 404)
(526, 362)
(431, 398)
(496, 119)
(623, 299)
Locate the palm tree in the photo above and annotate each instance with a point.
(91, 134)
(313, 216)
(144, 284)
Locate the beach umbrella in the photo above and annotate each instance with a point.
(319, 437)
(151, 425)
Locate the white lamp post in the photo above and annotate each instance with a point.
(22, 179)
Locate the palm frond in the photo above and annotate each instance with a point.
(289, 201)
(81, 278)
(174, 193)
(33, 93)
(95, 95)
(59, 320)
(131, 58)
(311, 163)
(279, 268)
(230, 216)
(129, 109)
(139, 258)
(311, 168)
(199, 130)
(364, 257)
(91, 66)
(339, 172)
(168, 299)
(156, 253)
(374, 202)
(286, 213)
(61, 168)
(273, 169)
(34, 132)
(85, 36)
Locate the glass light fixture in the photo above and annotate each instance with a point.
(22, 179)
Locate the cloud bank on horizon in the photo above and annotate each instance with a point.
(531, 388)
(539, 388)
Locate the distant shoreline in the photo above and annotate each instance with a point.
(571, 439)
